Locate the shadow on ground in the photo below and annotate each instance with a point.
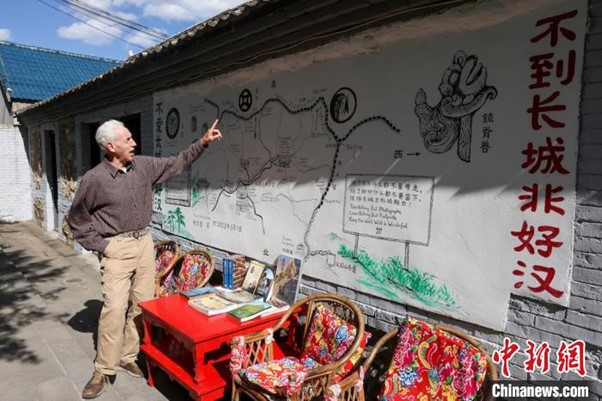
(30, 283)
(86, 320)
(20, 304)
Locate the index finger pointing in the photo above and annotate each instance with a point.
(214, 124)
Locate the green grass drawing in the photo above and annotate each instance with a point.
(389, 277)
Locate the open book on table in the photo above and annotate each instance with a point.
(255, 309)
(221, 301)
(211, 304)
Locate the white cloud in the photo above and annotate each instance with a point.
(137, 3)
(144, 41)
(168, 12)
(180, 10)
(103, 4)
(193, 11)
(127, 16)
(4, 34)
(98, 34)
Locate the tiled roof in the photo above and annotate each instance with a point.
(190, 34)
(35, 73)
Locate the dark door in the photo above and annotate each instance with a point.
(52, 172)
(132, 122)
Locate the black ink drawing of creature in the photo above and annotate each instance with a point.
(463, 91)
(342, 105)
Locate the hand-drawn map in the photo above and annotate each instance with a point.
(402, 162)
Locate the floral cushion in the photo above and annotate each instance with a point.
(462, 369)
(410, 374)
(329, 337)
(163, 260)
(431, 364)
(353, 359)
(186, 275)
(194, 269)
(167, 285)
(279, 377)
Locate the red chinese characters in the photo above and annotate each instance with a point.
(569, 357)
(552, 70)
(537, 357)
(504, 355)
(545, 159)
(545, 244)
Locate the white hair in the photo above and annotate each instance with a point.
(107, 132)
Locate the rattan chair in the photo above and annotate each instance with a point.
(190, 270)
(166, 253)
(353, 387)
(308, 366)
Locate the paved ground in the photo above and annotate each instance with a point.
(50, 300)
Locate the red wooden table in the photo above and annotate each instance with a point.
(192, 348)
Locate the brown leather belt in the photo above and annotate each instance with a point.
(134, 234)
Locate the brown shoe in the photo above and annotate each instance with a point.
(131, 369)
(97, 384)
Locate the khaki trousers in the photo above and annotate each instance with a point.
(128, 277)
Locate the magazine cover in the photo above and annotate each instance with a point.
(266, 283)
(286, 282)
(253, 276)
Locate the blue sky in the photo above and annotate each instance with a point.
(45, 23)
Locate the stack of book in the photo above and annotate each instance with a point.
(265, 290)
(214, 303)
(234, 271)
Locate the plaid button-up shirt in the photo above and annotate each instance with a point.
(110, 201)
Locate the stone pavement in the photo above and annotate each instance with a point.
(50, 300)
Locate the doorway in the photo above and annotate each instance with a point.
(52, 174)
(132, 123)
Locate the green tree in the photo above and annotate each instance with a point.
(171, 219)
(179, 218)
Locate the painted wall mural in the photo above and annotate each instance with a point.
(463, 92)
(431, 163)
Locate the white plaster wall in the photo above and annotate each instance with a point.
(530, 319)
(15, 179)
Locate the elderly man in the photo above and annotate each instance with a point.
(110, 214)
